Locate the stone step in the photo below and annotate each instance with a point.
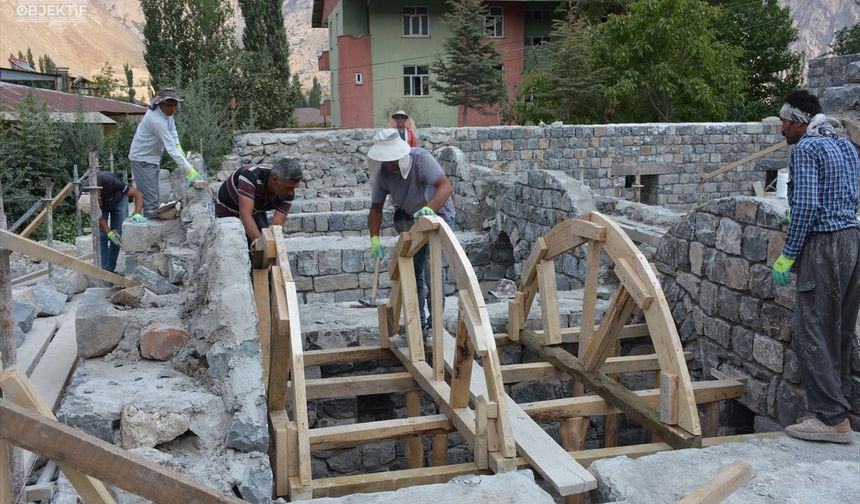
(316, 204)
(329, 269)
(342, 223)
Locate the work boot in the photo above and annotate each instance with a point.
(814, 429)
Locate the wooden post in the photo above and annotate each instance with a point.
(6, 463)
(481, 443)
(95, 211)
(78, 228)
(11, 469)
(711, 425)
(48, 200)
(110, 160)
(440, 450)
(569, 429)
(414, 449)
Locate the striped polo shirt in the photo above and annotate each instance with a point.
(248, 181)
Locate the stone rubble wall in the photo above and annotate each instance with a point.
(836, 81)
(716, 272)
(337, 158)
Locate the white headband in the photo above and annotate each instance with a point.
(794, 114)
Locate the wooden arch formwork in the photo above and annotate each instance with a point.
(463, 374)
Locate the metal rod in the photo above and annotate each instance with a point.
(78, 228)
(49, 186)
(29, 213)
(95, 212)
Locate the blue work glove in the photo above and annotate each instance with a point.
(376, 249)
(192, 176)
(785, 221)
(138, 218)
(782, 270)
(113, 236)
(424, 211)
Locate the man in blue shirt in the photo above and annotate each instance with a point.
(823, 237)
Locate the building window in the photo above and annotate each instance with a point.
(538, 15)
(416, 80)
(495, 22)
(416, 21)
(359, 79)
(535, 40)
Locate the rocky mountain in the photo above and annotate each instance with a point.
(112, 33)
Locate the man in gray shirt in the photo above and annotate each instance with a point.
(417, 186)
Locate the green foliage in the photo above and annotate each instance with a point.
(847, 40)
(30, 151)
(105, 82)
(596, 11)
(265, 35)
(764, 31)
(469, 74)
(65, 228)
(296, 88)
(119, 142)
(202, 120)
(669, 66)
(314, 97)
(129, 82)
(79, 138)
(47, 65)
(179, 35)
(30, 60)
(566, 81)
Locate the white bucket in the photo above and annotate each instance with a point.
(782, 184)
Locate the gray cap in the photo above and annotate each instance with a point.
(400, 113)
(165, 94)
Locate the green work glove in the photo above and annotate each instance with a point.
(782, 270)
(113, 237)
(376, 249)
(192, 176)
(787, 219)
(138, 218)
(424, 211)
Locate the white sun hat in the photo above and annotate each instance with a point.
(388, 146)
(84, 203)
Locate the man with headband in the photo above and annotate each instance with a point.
(824, 240)
(155, 134)
(417, 186)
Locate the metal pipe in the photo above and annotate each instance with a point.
(29, 213)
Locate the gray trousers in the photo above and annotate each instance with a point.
(146, 180)
(825, 318)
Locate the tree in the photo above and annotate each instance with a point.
(30, 60)
(566, 82)
(79, 138)
(668, 63)
(469, 73)
(179, 35)
(129, 82)
(314, 98)
(296, 89)
(105, 82)
(47, 65)
(847, 40)
(265, 34)
(30, 151)
(764, 31)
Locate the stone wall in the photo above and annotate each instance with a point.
(716, 275)
(836, 81)
(336, 158)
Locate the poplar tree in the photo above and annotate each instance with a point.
(315, 94)
(469, 74)
(129, 82)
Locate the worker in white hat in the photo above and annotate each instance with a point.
(417, 186)
(405, 126)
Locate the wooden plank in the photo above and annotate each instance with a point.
(342, 436)
(414, 449)
(747, 159)
(409, 292)
(5, 472)
(388, 481)
(711, 425)
(279, 368)
(298, 392)
(264, 317)
(436, 305)
(38, 493)
(356, 386)
(562, 237)
(573, 334)
(461, 371)
(19, 391)
(72, 448)
(55, 202)
(481, 449)
(29, 277)
(549, 303)
(627, 401)
(36, 250)
(593, 405)
(586, 229)
(280, 460)
(515, 316)
(634, 285)
(347, 355)
(758, 189)
(516, 373)
(589, 295)
(542, 452)
(440, 449)
(723, 484)
(621, 306)
(669, 398)
(37, 341)
(386, 328)
(281, 257)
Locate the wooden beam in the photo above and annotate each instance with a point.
(356, 386)
(616, 394)
(279, 368)
(440, 450)
(342, 436)
(751, 157)
(436, 308)
(716, 489)
(409, 293)
(549, 303)
(669, 398)
(262, 304)
(36, 250)
(29, 277)
(516, 373)
(414, 448)
(282, 464)
(621, 306)
(634, 285)
(104, 461)
(593, 405)
(55, 202)
(573, 334)
(347, 355)
(461, 371)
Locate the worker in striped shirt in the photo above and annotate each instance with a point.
(253, 190)
(823, 238)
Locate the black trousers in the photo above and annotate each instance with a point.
(825, 318)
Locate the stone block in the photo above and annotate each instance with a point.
(737, 273)
(706, 225)
(729, 235)
(130, 296)
(840, 99)
(93, 423)
(49, 301)
(775, 241)
(748, 311)
(718, 330)
(143, 236)
(24, 314)
(345, 462)
(708, 297)
(728, 304)
(150, 428)
(353, 261)
(791, 367)
(378, 454)
(716, 268)
(330, 262)
(247, 435)
(761, 281)
(776, 321)
(755, 243)
(745, 211)
(768, 352)
(161, 341)
(689, 282)
(19, 336)
(98, 324)
(742, 342)
(153, 281)
(343, 281)
(790, 403)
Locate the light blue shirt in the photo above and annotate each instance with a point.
(155, 133)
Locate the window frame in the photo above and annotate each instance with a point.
(498, 20)
(414, 17)
(422, 79)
